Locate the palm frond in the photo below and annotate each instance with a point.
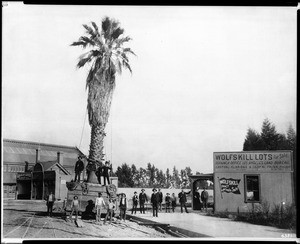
(89, 30)
(95, 27)
(106, 25)
(120, 41)
(79, 43)
(116, 33)
(87, 40)
(128, 50)
(127, 66)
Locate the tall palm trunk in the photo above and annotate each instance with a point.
(96, 149)
(99, 104)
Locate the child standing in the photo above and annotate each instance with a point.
(75, 207)
(110, 210)
(99, 204)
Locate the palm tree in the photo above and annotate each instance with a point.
(106, 57)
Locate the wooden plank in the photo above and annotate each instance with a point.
(79, 223)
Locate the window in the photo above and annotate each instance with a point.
(252, 188)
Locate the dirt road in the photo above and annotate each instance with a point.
(28, 220)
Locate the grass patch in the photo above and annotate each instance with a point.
(280, 216)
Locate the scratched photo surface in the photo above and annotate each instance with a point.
(148, 122)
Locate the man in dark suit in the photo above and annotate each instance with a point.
(197, 199)
(155, 201)
(183, 200)
(160, 194)
(79, 166)
(99, 171)
(105, 170)
(142, 198)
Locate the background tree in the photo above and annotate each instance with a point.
(269, 136)
(168, 178)
(253, 141)
(175, 178)
(106, 57)
(135, 175)
(125, 176)
(142, 177)
(269, 139)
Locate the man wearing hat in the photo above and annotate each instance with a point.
(183, 200)
(155, 201)
(79, 166)
(160, 194)
(135, 200)
(143, 198)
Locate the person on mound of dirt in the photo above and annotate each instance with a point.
(79, 167)
(99, 171)
(105, 170)
(88, 213)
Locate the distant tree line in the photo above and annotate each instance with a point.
(150, 176)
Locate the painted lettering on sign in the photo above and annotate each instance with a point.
(230, 185)
(276, 161)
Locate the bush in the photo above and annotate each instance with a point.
(280, 216)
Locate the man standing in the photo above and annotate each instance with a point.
(183, 200)
(123, 207)
(99, 204)
(143, 199)
(160, 194)
(155, 201)
(204, 198)
(99, 172)
(105, 170)
(50, 202)
(168, 202)
(197, 199)
(135, 201)
(79, 166)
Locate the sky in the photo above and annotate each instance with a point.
(202, 76)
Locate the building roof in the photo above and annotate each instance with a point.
(49, 165)
(20, 151)
(201, 176)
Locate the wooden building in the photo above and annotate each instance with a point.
(30, 169)
(243, 180)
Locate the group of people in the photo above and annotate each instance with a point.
(102, 207)
(101, 171)
(157, 200)
(202, 198)
(171, 201)
(110, 207)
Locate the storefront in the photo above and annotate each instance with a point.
(243, 180)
